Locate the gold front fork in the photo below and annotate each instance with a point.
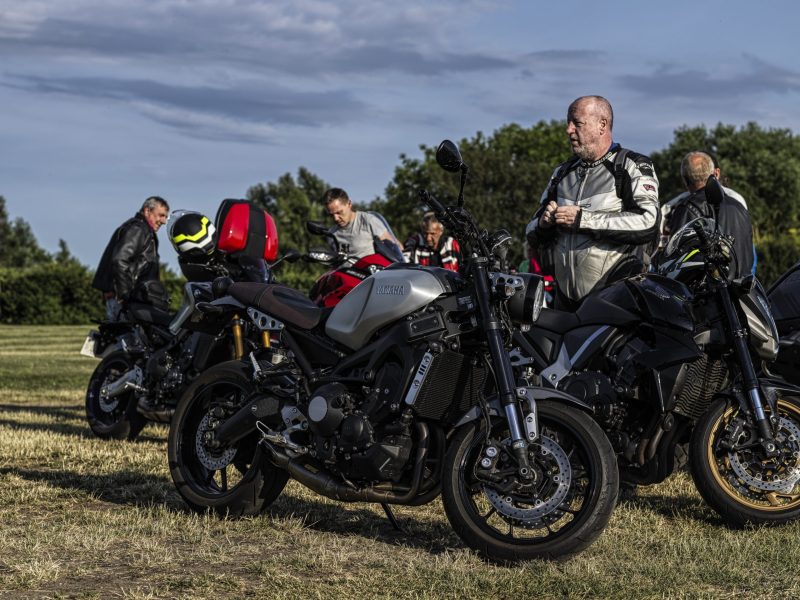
(238, 341)
(265, 339)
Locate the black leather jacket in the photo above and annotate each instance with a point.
(130, 257)
(733, 219)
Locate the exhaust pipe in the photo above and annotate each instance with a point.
(130, 381)
(318, 480)
(244, 421)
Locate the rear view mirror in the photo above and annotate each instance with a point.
(714, 193)
(449, 157)
(316, 228)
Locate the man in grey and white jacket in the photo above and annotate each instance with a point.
(599, 213)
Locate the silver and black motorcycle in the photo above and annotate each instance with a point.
(402, 392)
(670, 357)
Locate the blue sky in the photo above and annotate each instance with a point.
(103, 103)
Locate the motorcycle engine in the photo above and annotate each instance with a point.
(347, 435)
(595, 389)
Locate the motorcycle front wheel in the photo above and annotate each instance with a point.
(741, 483)
(112, 418)
(231, 481)
(562, 510)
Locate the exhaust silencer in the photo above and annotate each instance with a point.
(130, 381)
(243, 422)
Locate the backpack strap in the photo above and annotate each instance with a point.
(552, 190)
(622, 179)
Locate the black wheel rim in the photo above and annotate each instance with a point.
(109, 412)
(550, 513)
(215, 473)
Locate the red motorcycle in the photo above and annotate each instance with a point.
(347, 271)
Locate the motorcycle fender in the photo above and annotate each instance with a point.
(536, 392)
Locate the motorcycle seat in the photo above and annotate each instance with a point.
(284, 303)
(594, 311)
(147, 313)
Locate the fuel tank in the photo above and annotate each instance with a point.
(662, 300)
(380, 299)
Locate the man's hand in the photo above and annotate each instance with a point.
(566, 215)
(547, 219)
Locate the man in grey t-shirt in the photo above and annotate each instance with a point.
(355, 230)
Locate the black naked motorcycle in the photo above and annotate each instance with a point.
(669, 358)
(784, 300)
(149, 355)
(402, 392)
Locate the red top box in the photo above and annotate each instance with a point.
(244, 228)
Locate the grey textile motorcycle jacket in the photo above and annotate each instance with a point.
(617, 219)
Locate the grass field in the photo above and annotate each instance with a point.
(84, 518)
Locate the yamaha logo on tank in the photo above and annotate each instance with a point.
(391, 290)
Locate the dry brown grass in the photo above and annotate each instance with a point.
(84, 518)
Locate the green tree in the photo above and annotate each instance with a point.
(18, 245)
(292, 202)
(508, 171)
(761, 164)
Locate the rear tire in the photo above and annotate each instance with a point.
(233, 481)
(116, 418)
(565, 510)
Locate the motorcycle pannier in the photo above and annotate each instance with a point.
(245, 229)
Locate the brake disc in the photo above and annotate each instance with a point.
(749, 472)
(106, 406)
(211, 460)
(531, 514)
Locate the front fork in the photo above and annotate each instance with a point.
(504, 373)
(749, 377)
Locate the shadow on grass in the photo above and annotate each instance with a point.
(144, 491)
(672, 506)
(122, 487)
(62, 413)
(349, 520)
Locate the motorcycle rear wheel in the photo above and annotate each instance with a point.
(115, 418)
(567, 508)
(743, 486)
(233, 481)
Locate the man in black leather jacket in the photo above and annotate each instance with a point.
(733, 218)
(130, 259)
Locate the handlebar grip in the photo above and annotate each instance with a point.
(428, 199)
(705, 243)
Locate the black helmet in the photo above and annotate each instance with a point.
(192, 235)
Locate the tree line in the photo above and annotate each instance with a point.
(508, 172)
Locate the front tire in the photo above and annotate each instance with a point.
(742, 484)
(233, 481)
(112, 418)
(561, 513)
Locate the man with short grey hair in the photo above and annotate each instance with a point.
(130, 261)
(671, 204)
(731, 216)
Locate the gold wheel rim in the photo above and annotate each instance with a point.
(772, 499)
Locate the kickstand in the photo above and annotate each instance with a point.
(392, 519)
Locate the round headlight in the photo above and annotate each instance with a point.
(526, 304)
